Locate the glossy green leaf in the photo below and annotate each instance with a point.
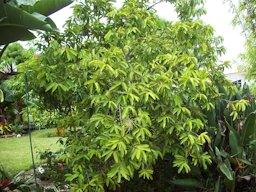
(226, 170)
(45, 7)
(10, 33)
(248, 133)
(15, 22)
(15, 15)
(218, 154)
(234, 143)
(1, 96)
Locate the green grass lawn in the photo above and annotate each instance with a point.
(15, 152)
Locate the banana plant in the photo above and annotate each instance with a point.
(17, 18)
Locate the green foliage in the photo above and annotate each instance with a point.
(248, 132)
(11, 85)
(4, 129)
(187, 183)
(133, 88)
(143, 103)
(230, 151)
(145, 100)
(188, 10)
(53, 169)
(17, 18)
(14, 55)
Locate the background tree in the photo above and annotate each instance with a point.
(245, 16)
(13, 56)
(11, 86)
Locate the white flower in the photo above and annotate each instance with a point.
(40, 169)
(67, 186)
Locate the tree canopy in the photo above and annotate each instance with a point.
(245, 16)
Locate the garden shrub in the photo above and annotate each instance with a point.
(133, 88)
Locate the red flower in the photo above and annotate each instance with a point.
(6, 183)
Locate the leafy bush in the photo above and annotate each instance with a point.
(133, 89)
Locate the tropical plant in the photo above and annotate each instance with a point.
(4, 179)
(232, 132)
(17, 18)
(134, 88)
(231, 149)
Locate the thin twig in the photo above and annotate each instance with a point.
(233, 6)
(120, 114)
(154, 4)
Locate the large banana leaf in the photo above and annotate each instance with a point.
(46, 7)
(234, 142)
(16, 16)
(10, 33)
(248, 132)
(17, 19)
